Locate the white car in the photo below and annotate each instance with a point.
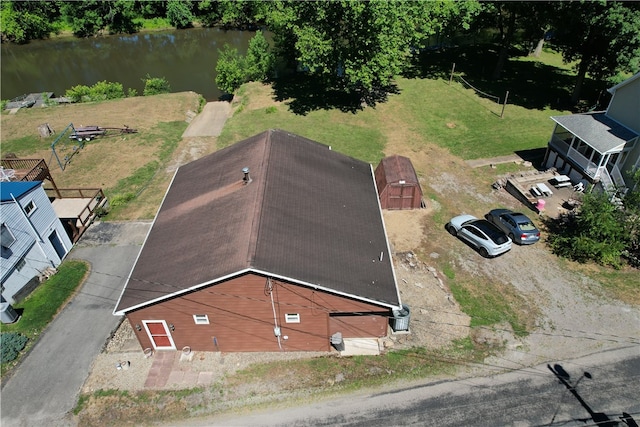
(488, 239)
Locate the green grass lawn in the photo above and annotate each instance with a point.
(39, 308)
(356, 136)
(469, 126)
(449, 116)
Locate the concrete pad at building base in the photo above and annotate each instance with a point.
(360, 347)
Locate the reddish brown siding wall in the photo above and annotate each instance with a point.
(241, 317)
(359, 326)
(401, 196)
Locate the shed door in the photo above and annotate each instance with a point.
(401, 196)
(159, 334)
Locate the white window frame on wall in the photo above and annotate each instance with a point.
(292, 317)
(201, 319)
(30, 207)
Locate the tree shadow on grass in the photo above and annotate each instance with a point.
(531, 84)
(535, 156)
(304, 93)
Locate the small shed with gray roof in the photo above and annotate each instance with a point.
(275, 243)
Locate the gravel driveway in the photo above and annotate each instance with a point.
(577, 319)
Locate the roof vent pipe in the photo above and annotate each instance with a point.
(247, 178)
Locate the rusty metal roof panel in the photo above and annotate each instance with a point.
(398, 168)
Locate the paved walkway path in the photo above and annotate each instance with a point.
(210, 121)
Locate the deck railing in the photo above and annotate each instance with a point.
(96, 201)
(29, 169)
(37, 169)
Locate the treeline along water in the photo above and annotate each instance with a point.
(186, 58)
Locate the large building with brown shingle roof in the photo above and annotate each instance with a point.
(272, 244)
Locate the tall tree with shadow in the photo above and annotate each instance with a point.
(603, 37)
(352, 46)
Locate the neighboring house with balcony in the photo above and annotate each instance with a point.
(33, 239)
(600, 148)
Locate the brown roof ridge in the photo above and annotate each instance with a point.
(259, 201)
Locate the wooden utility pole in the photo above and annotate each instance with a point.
(506, 96)
(452, 70)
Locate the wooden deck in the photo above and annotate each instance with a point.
(78, 208)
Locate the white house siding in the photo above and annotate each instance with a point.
(632, 162)
(17, 280)
(625, 104)
(32, 241)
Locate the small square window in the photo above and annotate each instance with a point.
(6, 236)
(29, 208)
(292, 317)
(201, 319)
(20, 265)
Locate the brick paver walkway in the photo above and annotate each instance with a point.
(171, 369)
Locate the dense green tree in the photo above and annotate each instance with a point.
(596, 233)
(86, 18)
(536, 25)
(233, 69)
(150, 9)
(230, 69)
(631, 203)
(602, 36)
(179, 13)
(515, 22)
(208, 12)
(238, 13)
(231, 13)
(602, 230)
(122, 17)
(259, 60)
(21, 21)
(355, 46)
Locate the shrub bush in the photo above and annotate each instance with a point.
(106, 90)
(121, 199)
(155, 85)
(98, 92)
(12, 344)
(78, 93)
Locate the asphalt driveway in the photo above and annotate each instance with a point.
(45, 387)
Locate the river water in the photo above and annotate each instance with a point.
(186, 58)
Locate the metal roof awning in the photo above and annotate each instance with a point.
(598, 130)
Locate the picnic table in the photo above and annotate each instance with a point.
(561, 181)
(542, 187)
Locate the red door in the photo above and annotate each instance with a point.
(159, 334)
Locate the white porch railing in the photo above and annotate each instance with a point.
(589, 168)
